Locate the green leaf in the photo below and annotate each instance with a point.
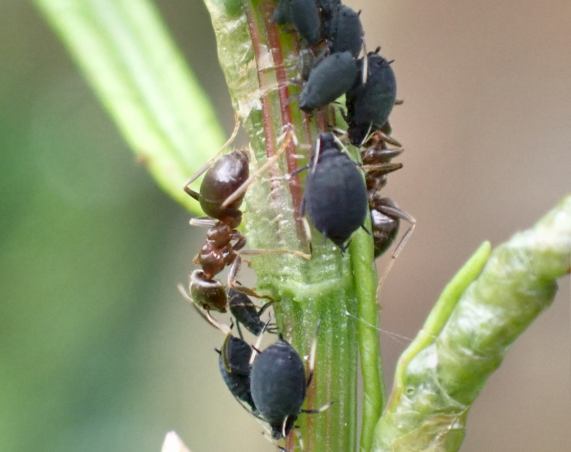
(140, 76)
(467, 335)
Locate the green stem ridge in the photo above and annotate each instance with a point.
(466, 337)
(141, 78)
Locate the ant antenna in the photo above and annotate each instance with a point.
(211, 160)
(224, 329)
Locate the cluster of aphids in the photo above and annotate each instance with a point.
(334, 35)
(271, 384)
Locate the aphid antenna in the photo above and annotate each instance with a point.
(340, 143)
(212, 159)
(224, 329)
(405, 216)
(289, 138)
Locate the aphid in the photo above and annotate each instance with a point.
(234, 365)
(345, 32)
(278, 385)
(335, 197)
(330, 79)
(369, 104)
(304, 15)
(246, 313)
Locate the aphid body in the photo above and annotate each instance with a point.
(245, 312)
(370, 104)
(278, 385)
(345, 32)
(234, 365)
(330, 79)
(304, 15)
(335, 197)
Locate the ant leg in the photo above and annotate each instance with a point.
(395, 212)
(289, 139)
(204, 222)
(234, 284)
(210, 161)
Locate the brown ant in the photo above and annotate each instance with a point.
(221, 194)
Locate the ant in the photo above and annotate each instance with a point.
(221, 194)
(385, 213)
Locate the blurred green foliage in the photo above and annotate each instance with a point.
(89, 261)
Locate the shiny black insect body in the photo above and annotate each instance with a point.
(234, 365)
(303, 15)
(345, 31)
(247, 314)
(335, 197)
(330, 79)
(369, 104)
(278, 385)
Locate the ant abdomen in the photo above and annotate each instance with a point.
(222, 179)
(385, 227)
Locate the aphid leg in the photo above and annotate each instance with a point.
(364, 228)
(307, 230)
(395, 212)
(290, 138)
(321, 409)
(311, 358)
(316, 158)
(223, 328)
(203, 222)
(399, 101)
(365, 73)
(209, 163)
(257, 345)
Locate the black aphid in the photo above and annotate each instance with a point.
(330, 79)
(246, 313)
(303, 15)
(278, 384)
(335, 197)
(345, 32)
(234, 365)
(370, 104)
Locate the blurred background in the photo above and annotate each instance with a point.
(97, 349)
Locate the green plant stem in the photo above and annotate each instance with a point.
(466, 337)
(259, 60)
(140, 76)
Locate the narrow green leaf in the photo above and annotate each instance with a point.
(140, 76)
